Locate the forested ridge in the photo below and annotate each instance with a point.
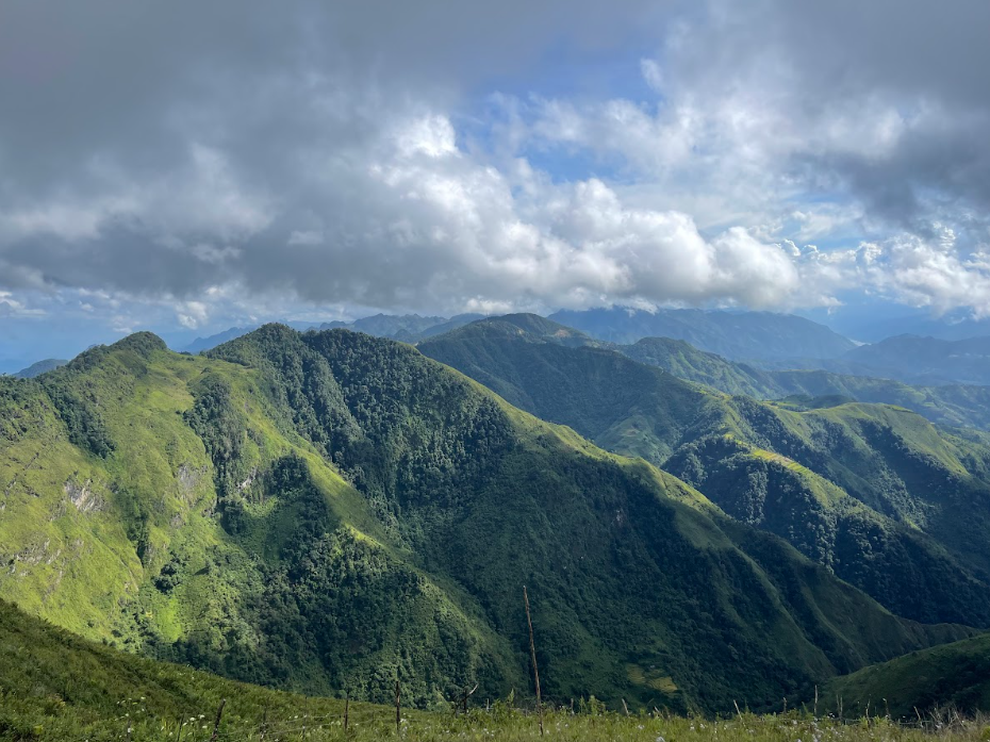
(879, 496)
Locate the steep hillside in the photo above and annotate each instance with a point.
(55, 685)
(329, 511)
(874, 493)
(684, 361)
(742, 336)
(955, 675)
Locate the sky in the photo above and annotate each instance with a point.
(188, 166)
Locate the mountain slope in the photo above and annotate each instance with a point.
(737, 335)
(328, 511)
(955, 675)
(874, 493)
(962, 406)
(36, 369)
(58, 686)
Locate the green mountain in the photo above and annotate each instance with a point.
(752, 336)
(36, 369)
(329, 511)
(955, 676)
(956, 406)
(874, 493)
(57, 686)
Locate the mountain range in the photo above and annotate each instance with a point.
(327, 511)
(762, 336)
(875, 493)
(408, 328)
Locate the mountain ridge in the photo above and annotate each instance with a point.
(863, 489)
(745, 336)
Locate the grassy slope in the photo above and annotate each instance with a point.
(55, 685)
(956, 674)
(79, 567)
(875, 493)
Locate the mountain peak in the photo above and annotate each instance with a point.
(143, 343)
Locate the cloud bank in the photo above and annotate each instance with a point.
(242, 157)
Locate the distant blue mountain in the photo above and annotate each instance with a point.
(740, 336)
(200, 344)
(36, 369)
(409, 328)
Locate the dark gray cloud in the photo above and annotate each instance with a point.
(833, 67)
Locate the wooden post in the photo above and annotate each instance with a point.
(216, 725)
(398, 712)
(264, 726)
(532, 652)
(347, 707)
(816, 700)
(467, 695)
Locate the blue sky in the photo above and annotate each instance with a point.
(184, 168)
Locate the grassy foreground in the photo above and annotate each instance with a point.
(367, 723)
(58, 687)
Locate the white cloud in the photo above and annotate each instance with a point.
(267, 162)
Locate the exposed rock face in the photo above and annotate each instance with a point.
(83, 497)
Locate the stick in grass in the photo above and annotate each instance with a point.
(216, 725)
(398, 711)
(532, 652)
